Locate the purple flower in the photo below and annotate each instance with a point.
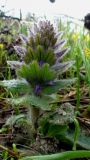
(41, 63)
(37, 89)
(44, 45)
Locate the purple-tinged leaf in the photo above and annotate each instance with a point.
(31, 34)
(59, 44)
(62, 67)
(49, 83)
(16, 85)
(41, 23)
(21, 51)
(59, 35)
(60, 54)
(15, 64)
(36, 29)
(58, 84)
(23, 38)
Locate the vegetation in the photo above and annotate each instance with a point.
(45, 92)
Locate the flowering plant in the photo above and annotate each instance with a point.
(39, 65)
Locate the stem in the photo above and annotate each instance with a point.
(78, 82)
(61, 156)
(76, 134)
(33, 115)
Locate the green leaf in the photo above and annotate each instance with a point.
(37, 39)
(60, 156)
(59, 84)
(36, 74)
(34, 71)
(63, 115)
(16, 86)
(40, 52)
(46, 73)
(24, 72)
(12, 120)
(55, 130)
(83, 140)
(35, 101)
(30, 55)
(49, 56)
(56, 123)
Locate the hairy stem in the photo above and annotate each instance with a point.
(34, 114)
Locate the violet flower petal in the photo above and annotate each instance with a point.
(31, 34)
(62, 67)
(15, 64)
(36, 29)
(59, 44)
(37, 89)
(23, 38)
(41, 63)
(21, 51)
(59, 35)
(62, 53)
